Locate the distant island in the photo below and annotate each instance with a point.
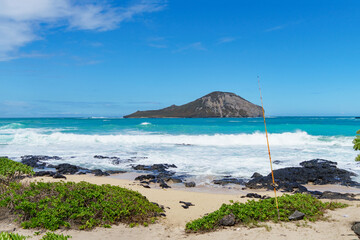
(213, 105)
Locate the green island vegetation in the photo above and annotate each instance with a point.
(71, 205)
(252, 212)
(47, 236)
(356, 143)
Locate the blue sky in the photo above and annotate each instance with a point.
(110, 58)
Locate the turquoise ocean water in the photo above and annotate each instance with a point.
(199, 147)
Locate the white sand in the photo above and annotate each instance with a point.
(172, 227)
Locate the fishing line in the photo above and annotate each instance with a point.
(267, 140)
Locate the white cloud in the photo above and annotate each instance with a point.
(14, 35)
(20, 20)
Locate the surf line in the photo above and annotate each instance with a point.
(268, 146)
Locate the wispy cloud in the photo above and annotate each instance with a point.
(154, 45)
(80, 61)
(226, 40)
(282, 26)
(156, 39)
(279, 27)
(22, 20)
(193, 46)
(157, 42)
(96, 44)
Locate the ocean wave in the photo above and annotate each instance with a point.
(145, 123)
(299, 138)
(12, 126)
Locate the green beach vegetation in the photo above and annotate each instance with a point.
(11, 236)
(54, 236)
(47, 236)
(76, 205)
(12, 171)
(356, 143)
(68, 204)
(252, 212)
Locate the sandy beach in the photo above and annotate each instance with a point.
(338, 225)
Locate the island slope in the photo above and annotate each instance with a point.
(213, 105)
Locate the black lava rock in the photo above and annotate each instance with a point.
(160, 174)
(317, 171)
(228, 220)
(115, 171)
(57, 175)
(34, 161)
(145, 177)
(225, 181)
(253, 195)
(336, 195)
(66, 168)
(44, 173)
(99, 173)
(256, 175)
(190, 184)
(318, 163)
(356, 228)
(186, 205)
(154, 167)
(163, 184)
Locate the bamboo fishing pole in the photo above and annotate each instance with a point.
(268, 146)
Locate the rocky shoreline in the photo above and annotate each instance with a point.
(288, 180)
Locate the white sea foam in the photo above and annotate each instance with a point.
(37, 137)
(145, 123)
(219, 154)
(12, 126)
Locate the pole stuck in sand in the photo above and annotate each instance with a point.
(268, 146)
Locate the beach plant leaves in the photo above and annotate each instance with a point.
(47, 236)
(252, 212)
(54, 236)
(75, 205)
(356, 146)
(12, 171)
(11, 236)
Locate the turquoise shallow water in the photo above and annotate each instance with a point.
(326, 126)
(201, 147)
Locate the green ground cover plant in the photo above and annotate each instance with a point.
(11, 171)
(75, 205)
(47, 236)
(11, 236)
(54, 236)
(264, 210)
(356, 146)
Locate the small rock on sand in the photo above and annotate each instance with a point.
(228, 220)
(296, 215)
